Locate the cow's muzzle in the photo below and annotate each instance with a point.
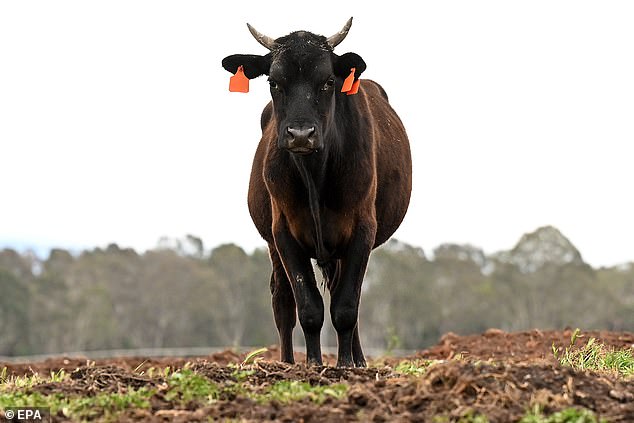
(300, 139)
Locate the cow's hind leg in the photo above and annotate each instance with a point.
(283, 306)
(357, 351)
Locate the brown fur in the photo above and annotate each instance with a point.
(331, 180)
(365, 192)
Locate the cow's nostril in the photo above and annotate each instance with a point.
(301, 132)
(300, 137)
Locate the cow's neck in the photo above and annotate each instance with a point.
(312, 177)
(313, 170)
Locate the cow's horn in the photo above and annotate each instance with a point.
(265, 40)
(334, 40)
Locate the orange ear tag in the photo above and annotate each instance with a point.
(239, 83)
(355, 87)
(347, 84)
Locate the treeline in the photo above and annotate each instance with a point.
(181, 295)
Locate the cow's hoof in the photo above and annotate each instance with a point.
(345, 364)
(313, 362)
(360, 363)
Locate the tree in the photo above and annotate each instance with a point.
(546, 245)
(398, 304)
(544, 283)
(179, 296)
(14, 307)
(242, 283)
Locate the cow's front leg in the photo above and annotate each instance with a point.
(310, 306)
(344, 306)
(283, 306)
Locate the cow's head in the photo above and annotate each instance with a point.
(305, 76)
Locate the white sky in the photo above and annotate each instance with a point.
(116, 124)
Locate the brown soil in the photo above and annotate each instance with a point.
(500, 375)
(495, 344)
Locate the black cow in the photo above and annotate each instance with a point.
(331, 180)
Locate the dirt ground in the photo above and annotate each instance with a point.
(497, 374)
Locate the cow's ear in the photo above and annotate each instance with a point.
(345, 62)
(252, 64)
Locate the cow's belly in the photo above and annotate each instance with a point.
(336, 228)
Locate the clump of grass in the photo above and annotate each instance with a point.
(183, 386)
(186, 385)
(569, 415)
(470, 417)
(414, 367)
(473, 418)
(622, 361)
(58, 376)
(393, 341)
(535, 415)
(8, 383)
(20, 399)
(595, 356)
(240, 375)
(107, 405)
(287, 391)
(154, 372)
(253, 356)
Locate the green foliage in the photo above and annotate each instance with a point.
(595, 356)
(8, 383)
(20, 399)
(621, 361)
(154, 372)
(186, 385)
(569, 415)
(107, 405)
(253, 355)
(535, 415)
(59, 376)
(470, 417)
(14, 392)
(414, 367)
(473, 418)
(183, 295)
(241, 374)
(393, 341)
(287, 391)
(14, 308)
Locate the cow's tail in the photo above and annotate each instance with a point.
(331, 271)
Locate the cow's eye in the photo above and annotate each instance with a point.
(329, 84)
(273, 84)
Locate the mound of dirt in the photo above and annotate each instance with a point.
(452, 389)
(138, 364)
(495, 344)
(499, 375)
